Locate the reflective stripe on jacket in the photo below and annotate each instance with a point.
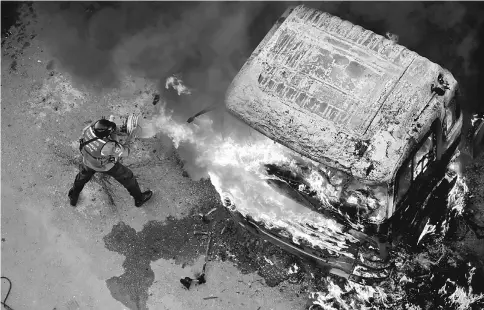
(92, 152)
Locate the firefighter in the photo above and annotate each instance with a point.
(101, 151)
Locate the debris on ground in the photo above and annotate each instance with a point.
(200, 278)
(205, 217)
(196, 232)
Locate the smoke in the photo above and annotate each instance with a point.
(206, 43)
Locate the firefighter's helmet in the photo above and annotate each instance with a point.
(103, 128)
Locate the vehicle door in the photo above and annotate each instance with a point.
(414, 182)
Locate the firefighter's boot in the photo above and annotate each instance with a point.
(144, 198)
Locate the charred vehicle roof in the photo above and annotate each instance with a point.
(339, 94)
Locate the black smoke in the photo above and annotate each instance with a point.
(207, 42)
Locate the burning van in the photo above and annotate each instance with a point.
(359, 132)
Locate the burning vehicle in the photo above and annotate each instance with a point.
(359, 132)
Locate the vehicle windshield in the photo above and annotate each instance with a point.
(324, 186)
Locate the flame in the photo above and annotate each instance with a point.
(278, 211)
(461, 297)
(428, 229)
(356, 296)
(293, 269)
(325, 190)
(456, 198)
(458, 194)
(351, 296)
(236, 166)
(227, 160)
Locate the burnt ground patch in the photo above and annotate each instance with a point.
(174, 239)
(251, 254)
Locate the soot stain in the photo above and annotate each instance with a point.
(172, 239)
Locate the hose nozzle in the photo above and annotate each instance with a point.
(130, 123)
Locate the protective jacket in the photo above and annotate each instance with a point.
(99, 154)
